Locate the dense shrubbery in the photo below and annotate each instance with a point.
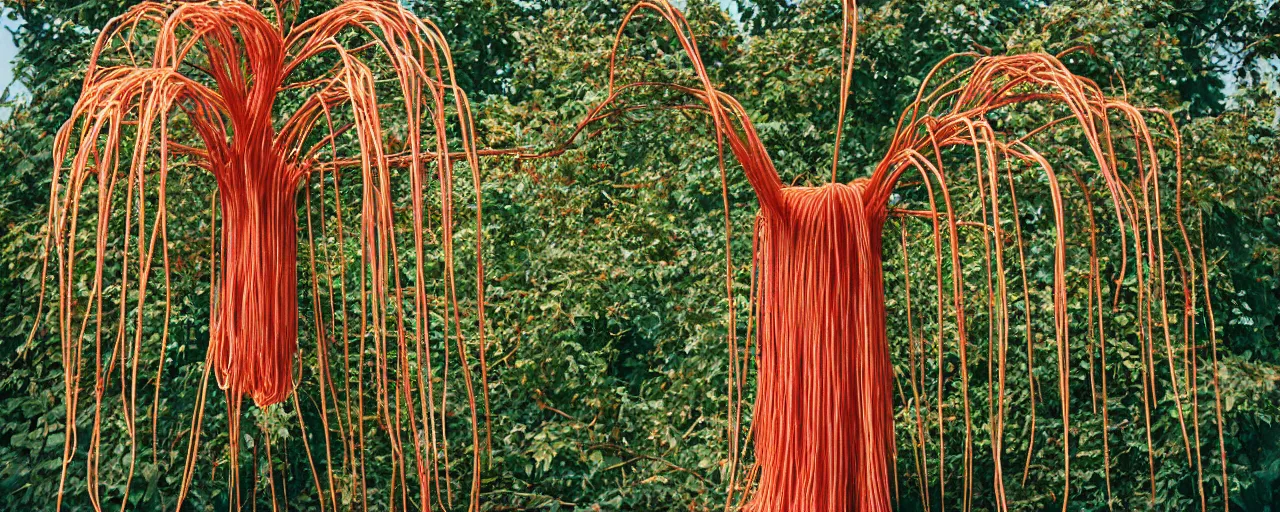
(606, 263)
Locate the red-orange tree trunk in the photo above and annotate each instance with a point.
(823, 419)
(255, 320)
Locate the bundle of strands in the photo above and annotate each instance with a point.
(823, 423)
(823, 375)
(272, 105)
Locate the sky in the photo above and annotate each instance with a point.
(7, 52)
(7, 48)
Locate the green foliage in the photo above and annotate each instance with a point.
(606, 265)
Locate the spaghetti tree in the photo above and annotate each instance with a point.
(823, 420)
(279, 106)
(275, 104)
